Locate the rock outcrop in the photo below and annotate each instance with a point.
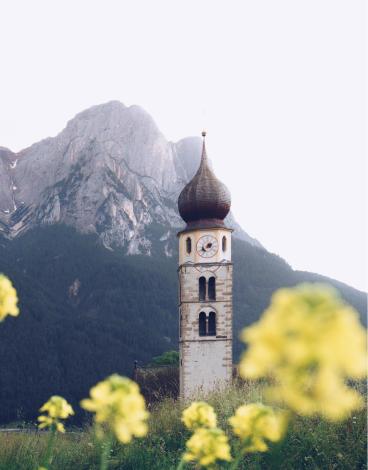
(110, 172)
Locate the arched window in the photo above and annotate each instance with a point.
(212, 324)
(180, 325)
(202, 288)
(224, 243)
(202, 324)
(212, 288)
(189, 245)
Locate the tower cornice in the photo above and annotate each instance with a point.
(205, 265)
(204, 227)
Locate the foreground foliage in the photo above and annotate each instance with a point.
(310, 343)
(8, 298)
(310, 443)
(56, 409)
(119, 406)
(301, 346)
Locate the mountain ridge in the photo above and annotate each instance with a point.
(109, 171)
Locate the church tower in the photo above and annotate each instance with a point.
(205, 284)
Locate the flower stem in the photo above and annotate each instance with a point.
(50, 446)
(236, 461)
(105, 454)
(181, 464)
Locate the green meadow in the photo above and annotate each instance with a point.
(310, 443)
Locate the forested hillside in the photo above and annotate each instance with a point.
(87, 311)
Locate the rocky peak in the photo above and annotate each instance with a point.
(110, 172)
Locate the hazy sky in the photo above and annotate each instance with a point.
(279, 86)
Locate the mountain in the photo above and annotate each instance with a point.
(72, 208)
(110, 172)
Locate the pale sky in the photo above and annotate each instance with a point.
(278, 84)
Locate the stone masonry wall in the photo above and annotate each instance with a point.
(206, 361)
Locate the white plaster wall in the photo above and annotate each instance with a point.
(195, 235)
(206, 367)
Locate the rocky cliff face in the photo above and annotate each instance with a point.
(110, 172)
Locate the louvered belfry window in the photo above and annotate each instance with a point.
(224, 243)
(207, 325)
(202, 324)
(211, 327)
(202, 288)
(212, 288)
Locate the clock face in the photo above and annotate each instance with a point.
(207, 246)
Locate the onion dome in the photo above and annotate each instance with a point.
(205, 201)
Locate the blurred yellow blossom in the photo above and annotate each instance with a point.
(56, 408)
(8, 298)
(117, 403)
(199, 414)
(206, 446)
(309, 342)
(255, 423)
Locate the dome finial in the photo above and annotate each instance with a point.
(204, 201)
(204, 153)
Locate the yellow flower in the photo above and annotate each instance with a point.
(118, 404)
(199, 414)
(309, 342)
(206, 446)
(8, 298)
(56, 408)
(256, 423)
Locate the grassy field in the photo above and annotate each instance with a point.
(309, 444)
